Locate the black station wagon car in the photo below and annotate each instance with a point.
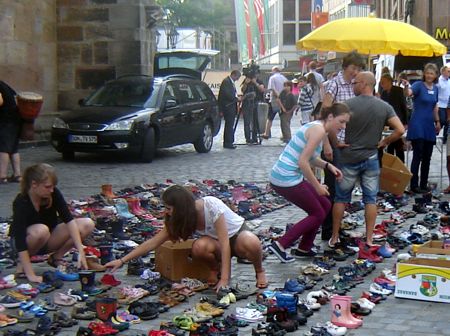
(138, 114)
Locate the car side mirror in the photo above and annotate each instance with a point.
(82, 102)
(170, 103)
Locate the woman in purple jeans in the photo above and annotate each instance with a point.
(293, 178)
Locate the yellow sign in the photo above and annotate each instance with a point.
(441, 34)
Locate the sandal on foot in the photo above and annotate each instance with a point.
(15, 179)
(54, 262)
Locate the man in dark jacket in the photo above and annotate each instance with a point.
(228, 100)
(393, 95)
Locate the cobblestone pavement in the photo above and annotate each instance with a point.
(247, 163)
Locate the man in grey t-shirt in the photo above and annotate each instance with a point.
(359, 160)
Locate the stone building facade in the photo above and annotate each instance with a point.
(432, 16)
(63, 49)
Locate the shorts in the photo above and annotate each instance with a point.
(12, 241)
(368, 172)
(233, 238)
(273, 112)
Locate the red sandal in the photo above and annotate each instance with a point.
(102, 329)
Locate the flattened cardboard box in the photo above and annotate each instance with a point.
(423, 279)
(395, 176)
(174, 261)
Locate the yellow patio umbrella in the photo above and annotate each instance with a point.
(369, 35)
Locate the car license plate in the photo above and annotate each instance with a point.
(82, 138)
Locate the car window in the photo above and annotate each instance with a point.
(203, 92)
(169, 93)
(122, 93)
(185, 94)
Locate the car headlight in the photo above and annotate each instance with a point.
(59, 123)
(124, 125)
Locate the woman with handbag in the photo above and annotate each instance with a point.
(10, 126)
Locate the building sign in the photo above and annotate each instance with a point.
(318, 19)
(441, 34)
(317, 5)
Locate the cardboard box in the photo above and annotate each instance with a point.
(395, 176)
(433, 247)
(174, 261)
(423, 279)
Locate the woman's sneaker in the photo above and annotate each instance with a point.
(302, 254)
(282, 255)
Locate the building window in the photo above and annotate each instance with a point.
(289, 10)
(304, 10)
(233, 37)
(234, 58)
(273, 26)
(303, 29)
(289, 34)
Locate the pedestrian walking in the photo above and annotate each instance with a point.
(10, 127)
(287, 104)
(275, 86)
(293, 178)
(443, 97)
(305, 100)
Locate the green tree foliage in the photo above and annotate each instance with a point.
(197, 13)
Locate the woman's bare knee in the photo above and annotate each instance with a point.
(85, 225)
(37, 236)
(203, 246)
(248, 245)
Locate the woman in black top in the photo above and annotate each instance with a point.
(393, 95)
(37, 228)
(10, 124)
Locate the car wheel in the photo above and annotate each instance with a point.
(68, 155)
(205, 140)
(148, 146)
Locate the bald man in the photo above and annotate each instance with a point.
(359, 160)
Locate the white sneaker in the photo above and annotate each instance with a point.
(364, 303)
(377, 289)
(335, 330)
(312, 304)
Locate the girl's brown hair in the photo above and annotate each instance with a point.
(38, 173)
(183, 222)
(335, 110)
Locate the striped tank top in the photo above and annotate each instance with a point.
(286, 172)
